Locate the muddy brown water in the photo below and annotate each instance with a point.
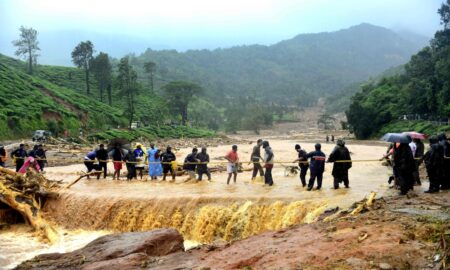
(203, 212)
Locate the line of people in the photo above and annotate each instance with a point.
(407, 158)
(35, 158)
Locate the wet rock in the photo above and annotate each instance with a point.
(385, 266)
(114, 251)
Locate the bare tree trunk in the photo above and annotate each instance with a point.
(151, 81)
(30, 62)
(88, 90)
(108, 89)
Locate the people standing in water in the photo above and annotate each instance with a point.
(190, 163)
(302, 163)
(140, 157)
(340, 169)
(317, 167)
(117, 157)
(232, 166)
(255, 158)
(154, 162)
(268, 163)
(19, 156)
(102, 157)
(202, 168)
(434, 162)
(89, 162)
(167, 159)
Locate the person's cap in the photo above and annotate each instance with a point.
(297, 146)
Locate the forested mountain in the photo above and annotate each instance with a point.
(423, 91)
(294, 71)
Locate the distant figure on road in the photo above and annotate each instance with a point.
(102, 157)
(332, 138)
(167, 159)
(317, 167)
(302, 163)
(202, 168)
(232, 166)
(434, 162)
(327, 138)
(255, 158)
(340, 169)
(19, 156)
(268, 163)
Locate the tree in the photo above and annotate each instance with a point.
(27, 46)
(101, 67)
(127, 81)
(444, 12)
(82, 57)
(179, 94)
(150, 68)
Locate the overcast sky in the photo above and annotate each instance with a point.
(198, 24)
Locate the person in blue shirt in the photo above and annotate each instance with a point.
(316, 167)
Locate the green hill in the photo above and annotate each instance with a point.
(295, 71)
(29, 102)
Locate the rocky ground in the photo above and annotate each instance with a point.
(393, 233)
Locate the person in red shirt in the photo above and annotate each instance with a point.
(232, 166)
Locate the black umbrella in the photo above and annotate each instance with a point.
(396, 138)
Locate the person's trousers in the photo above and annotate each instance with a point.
(303, 171)
(89, 166)
(405, 181)
(338, 180)
(268, 180)
(312, 179)
(200, 174)
(104, 167)
(41, 164)
(257, 168)
(19, 164)
(2, 164)
(434, 181)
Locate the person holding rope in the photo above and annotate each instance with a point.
(268, 163)
(41, 157)
(202, 168)
(340, 169)
(154, 162)
(317, 167)
(102, 157)
(19, 156)
(3, 156)
(117, 157)
(302, 163)
(232, 166)
(89, 162)
(445, 181)
(140, 157)
(190, 163)
(255, 158)
(167, 158)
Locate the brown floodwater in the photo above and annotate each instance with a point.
(203, 212)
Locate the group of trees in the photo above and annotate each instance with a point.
(424, 88)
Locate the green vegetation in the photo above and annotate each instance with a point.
(425, 127)
(423, 90)
(150, 133)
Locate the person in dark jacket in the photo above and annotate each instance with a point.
(445, 181)
(434, 162)
(340, 169)
(317, 166)
(89, 162)
(41, 156)
(302, 163)
(405, 166)
(255, 158)
(268, 163)
(32, 152)
(167, 158)
(19, 155)
(102, 157)
(190, 163)
(418, 157)
(130, 161)
(117, 157)
(202, 168)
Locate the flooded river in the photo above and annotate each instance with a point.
(203, 212)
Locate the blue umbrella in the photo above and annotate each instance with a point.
(396, 138)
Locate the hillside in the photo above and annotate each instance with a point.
(29, 102)
(421, 94)
(294, 71)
